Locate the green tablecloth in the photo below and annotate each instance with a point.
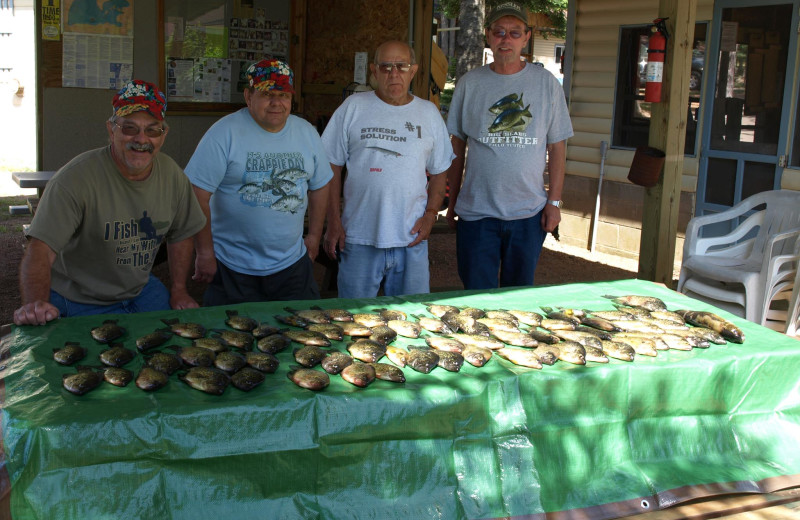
(592, 441)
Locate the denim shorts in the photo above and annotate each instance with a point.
(153, 297)
(498, 253)
(403, 270)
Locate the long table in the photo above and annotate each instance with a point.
(566, 441)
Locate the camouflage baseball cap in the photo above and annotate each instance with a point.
(271, 74)
(138, 95)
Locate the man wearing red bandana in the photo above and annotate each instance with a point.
(104, 216)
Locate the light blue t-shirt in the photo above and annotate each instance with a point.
(259, 183)
(507, 120)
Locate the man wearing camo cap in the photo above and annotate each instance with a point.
(104, 216)
(255, 173)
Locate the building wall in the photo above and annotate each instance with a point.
(597, 27)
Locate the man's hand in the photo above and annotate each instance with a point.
(551, 216)
(334, 239)
(312, 244)
(451, 218)
(180, 299)
(35, 313)
(422, 228)
(205, 267)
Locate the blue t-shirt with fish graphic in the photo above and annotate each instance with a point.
(260, 182)
(507, 120)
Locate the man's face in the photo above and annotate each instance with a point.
(393, 83)
(134, 153)
(270, 108)
(507, 37)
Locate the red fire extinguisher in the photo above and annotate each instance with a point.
(656, 52)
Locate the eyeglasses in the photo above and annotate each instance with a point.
(131, 130)
(389, 67)
(500, 33)
(278, 94)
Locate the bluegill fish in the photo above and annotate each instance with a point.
(443, 343)
(247, 378)
(83, 381)
(310, 315)
(163, 362)
(499, 324)
(195, 356)
(502, 315)
(383, 334)
(612, 315)
(366, 350)
(309, 355)
(405, 328)
(359, 374)
(387, 372)
(476, 356)
(70, 353)
(262, 361)
(215, 345)
(117, 376)
(572, 352)
(235, 338)
(391, 314)
(264, 330)
(206, 379)
(336, 361)
(308, 337)
(229, 361)
(439, 310)
(292, 320)
(433, 325)
(309, 378)
(422, 359)
(273, 344)
(368, 319)
(397, 355)
(329, 330)
(472, 312)
(644, 344)
(530, 318)
(356, 330)
(117, 356)
(337, 314)
(238, 322)
(450, 361)
(154, 339)
(107, 332)
(150, 379)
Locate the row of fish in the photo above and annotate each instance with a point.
(639, 325)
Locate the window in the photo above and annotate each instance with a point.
(631, 124)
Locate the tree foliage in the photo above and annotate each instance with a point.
(556, 11)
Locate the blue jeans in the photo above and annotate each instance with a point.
(403, 270)
(498, 253)
(153, 297)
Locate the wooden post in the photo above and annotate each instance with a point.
(423, 40)
(668, 133)
(298, 48)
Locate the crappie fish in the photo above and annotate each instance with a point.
(262, 361)
(117, 376)
(478, 341)
(695, 334)
(355, 330)
(442, 343)
(649, 303)
(618, 350)
(450, 361)
(310, 315)
(720, 325)
(336, 361)
(70, 353)
(247, 378)
(163, 362)
(548, 354)
(288, 203)
(638, 326)
(383, 334)
(544, 337)
(85, 380)
(434, 325)
(387, 372)
(273, 344)
(554, 325)
(153, 340)
(235, 338)
(584, 338)
(572, 352)
(676, 342)
(390, 314)
(560, 314)
(238, 322)
(291, 320)
(641, 346)
(472, 312)
(405, 328)
(150, 379)
(308, 337)
(668, 315)
(521, 357)
(599, 323)
(229, 361)
(636, 312)
(530, 318)
(518, 339)
(501, 315)
(185, 330)
(499, 324)
(665, 325)
(309, 355)
(602, 334)
(366, 350)
(359, 374)
(469, 325)
(116, 356)
(264, 330)
(309, 378)
(329, 330)
(612, 315)
(195, 356)
(338, 314)
(476, 356)
(439, 310)
(206, 379)
(396, 355)
(215, 345)
(422, 359)
(107, 332)
(595, 354)
(368, 319)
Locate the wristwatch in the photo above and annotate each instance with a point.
(556, 203)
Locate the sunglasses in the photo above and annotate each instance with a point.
(131, 130)
(389, 67)
(500, 33)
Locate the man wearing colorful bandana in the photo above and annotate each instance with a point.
(255, 172)
(104, 216)
(388, 139)
(514, 118)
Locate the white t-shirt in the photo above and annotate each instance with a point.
(387, 150)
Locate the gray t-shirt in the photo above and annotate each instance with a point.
(507, 120)
(106, 229)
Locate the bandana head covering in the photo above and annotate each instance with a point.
(139, 95)
(271, 74)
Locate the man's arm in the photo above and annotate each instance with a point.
(317, 206)
(424, 224)
(556, 167)
(455, 174)
(179, 257)
(334, 234)
(34, 285)
(205, 265)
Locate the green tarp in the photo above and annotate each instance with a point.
(594, 441)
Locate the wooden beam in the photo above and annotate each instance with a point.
(423, 39)
(668, 132)
(297, 48)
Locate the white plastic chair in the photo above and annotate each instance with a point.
(751, 266)
(793, 313)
